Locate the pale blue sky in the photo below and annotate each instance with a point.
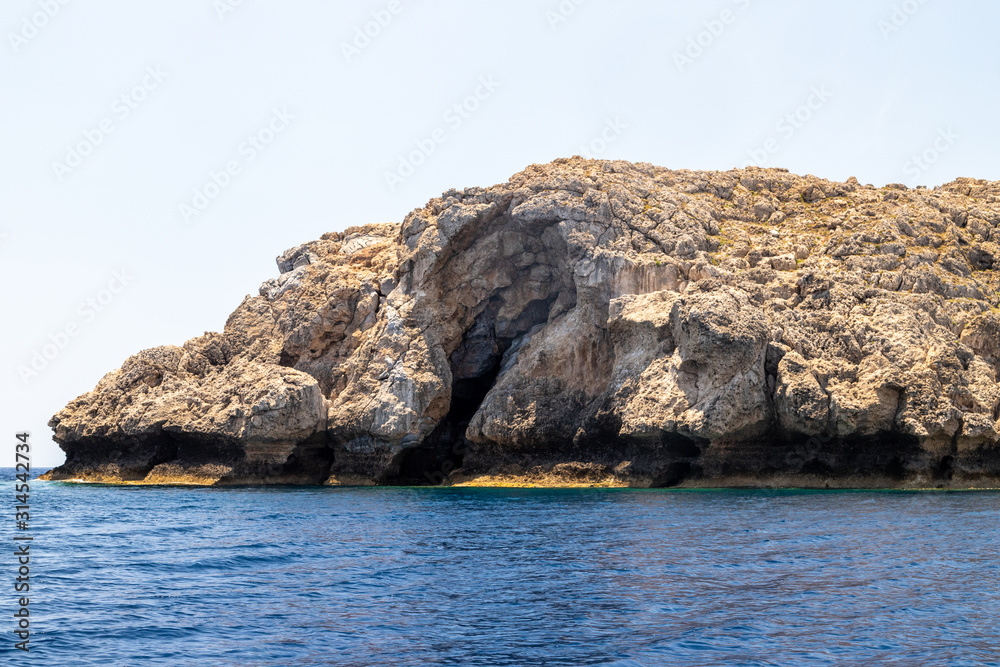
(881, 93)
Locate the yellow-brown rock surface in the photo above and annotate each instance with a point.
(592, 322)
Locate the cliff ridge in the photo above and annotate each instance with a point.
(592, 323)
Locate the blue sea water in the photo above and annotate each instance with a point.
(435, 576)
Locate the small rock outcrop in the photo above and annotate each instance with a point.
(592, 323)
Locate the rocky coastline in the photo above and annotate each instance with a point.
(592, 323)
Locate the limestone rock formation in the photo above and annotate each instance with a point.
(597, 323)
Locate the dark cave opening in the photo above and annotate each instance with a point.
(882, 455)
(945, 469)
(475, 366)
(137, 456)
(134, 456)
(672, 475)
(444, 449)
(684, 452)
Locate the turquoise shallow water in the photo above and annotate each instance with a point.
(431, 576)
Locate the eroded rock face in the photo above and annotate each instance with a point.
(592, 322)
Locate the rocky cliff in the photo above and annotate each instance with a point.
(592, 322)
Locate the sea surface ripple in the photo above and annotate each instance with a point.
(436, 576)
